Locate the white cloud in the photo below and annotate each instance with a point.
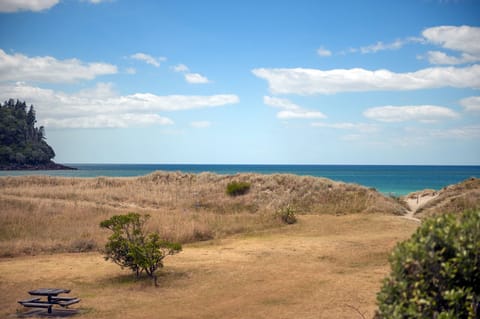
(26, 5)
(100, 91)
(355, 131)
(108, 121)
(291, 110)
(92, 107)
(323, 52)
(380, 46)
(148, 59)
(450, 1)
(438, 57)
(19, 67)
(130, 70)
(464, 38)
(313, 81)
(471, 104)
(280, 103)
(361, 127)
(99, 1)
(300, 114)
(200, 124)
(196, 78)
(466, 132)
(421, 113)
(180, 68)
(455, 133)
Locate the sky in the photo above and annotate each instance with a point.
(248, 82)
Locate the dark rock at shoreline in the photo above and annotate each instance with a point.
(39, 167)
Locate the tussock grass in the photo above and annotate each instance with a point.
(55, 214)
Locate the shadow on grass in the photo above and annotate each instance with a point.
(165, 278)
(56, 313)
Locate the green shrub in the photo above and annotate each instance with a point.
(287, 215)
(238, 188)
(130, 247)
(436, 273)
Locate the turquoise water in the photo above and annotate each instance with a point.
(388, 179)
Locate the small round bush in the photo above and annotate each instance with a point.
(287, 215)
(238, 188)
(436, 273)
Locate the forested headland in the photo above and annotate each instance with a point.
(22, 144)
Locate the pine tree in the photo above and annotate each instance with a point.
(21, 143)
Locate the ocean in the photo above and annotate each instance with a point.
(396, 180)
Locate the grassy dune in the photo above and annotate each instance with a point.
(454, 198)
(54, 214)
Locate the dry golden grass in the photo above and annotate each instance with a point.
(54, 214)
(453, 199)
(319, 268)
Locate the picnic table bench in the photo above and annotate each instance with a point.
(52, 299)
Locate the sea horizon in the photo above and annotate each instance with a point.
(395, 180)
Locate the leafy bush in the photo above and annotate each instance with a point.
(287, 215)
(436, 273)
(130, 247)
(238, 188)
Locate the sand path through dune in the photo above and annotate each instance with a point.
(416, 200)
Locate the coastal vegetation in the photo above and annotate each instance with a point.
(22, 144)
(436, 273)
(453, 198)
(287, 215)
(240, 259)
(130, 246)
(38, 211)
(237, 188)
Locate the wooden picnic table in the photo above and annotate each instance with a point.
(52, 298)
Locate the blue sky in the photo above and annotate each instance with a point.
(259, 82)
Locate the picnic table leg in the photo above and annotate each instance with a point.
(49, 299)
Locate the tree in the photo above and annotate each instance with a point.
(436, 273)
(129, 246)
(30, 122)
(21, 143)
